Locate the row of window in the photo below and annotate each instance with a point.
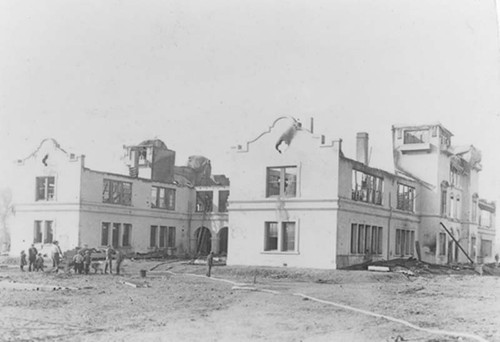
(405, 240)
(116, 234)
(119, 192)
(162, 236)
(366, 239)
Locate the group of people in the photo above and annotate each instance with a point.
(35, 260)
(81, 261)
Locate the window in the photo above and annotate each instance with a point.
(271, 236)
(223, 196)
(486, 248)
(416, 137)
(43, 232)
(442, 244)
(288, 236)
(485, 218)
(366, 188)
(152, 236)
(127, 228)
(171, 237)
(49, 233)
(406, 197)
(115, 235)
(117, 192)
(37, 236)
(444, 198)
(455, 177)
(474, 208)
(204, 200)
(405, 240)
(281, 181)
(452, 205)
(163, 236)
(458, 210)
(366, 239)
(163, 198)
(105, 234)
(45, 188)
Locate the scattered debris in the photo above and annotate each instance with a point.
(32, 287)
(379, 268)
(134, 284)
(414, 267)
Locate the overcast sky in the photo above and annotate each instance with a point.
(207, 75)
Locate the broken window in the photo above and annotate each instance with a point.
(152, 236)
(416, 136)
(171, 237)
(45, 188)
(115, 235)
(366, 188)
(204, 200)
(105, 234)
(406, 197)
(117, 192)
(37, 236)
(223, 197)
(405, 239)
(127, 229)
(271, 236)
(163, 198)
(281, 181)
(442, 244)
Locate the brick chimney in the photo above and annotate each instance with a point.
(362, 147)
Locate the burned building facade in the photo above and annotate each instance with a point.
(296, 200)
(154, 207)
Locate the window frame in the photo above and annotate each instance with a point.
(167, 202)
(282, 181)
(153, 236)
(405, 242)
(366, 187)
(409, 138)
(405, 199)
(223, 203)
(201, 205)
(47, 195)
(126, 235)
(280, 243)
(117, 192)
(107, 226)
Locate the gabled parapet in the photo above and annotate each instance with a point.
(49, 152)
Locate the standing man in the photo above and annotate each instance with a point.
(87, 260)
(119, 258)
(32, 253)
(210, 263)
(109, 260)
(56, 255)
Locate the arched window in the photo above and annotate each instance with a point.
(458, 210)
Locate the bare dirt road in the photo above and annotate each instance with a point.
(181, 306)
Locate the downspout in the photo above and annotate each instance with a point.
(389, 229)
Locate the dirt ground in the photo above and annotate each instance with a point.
(186, 307)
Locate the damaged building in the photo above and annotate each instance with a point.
(158, 206)
(297, 200)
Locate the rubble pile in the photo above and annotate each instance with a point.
(412, 266)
